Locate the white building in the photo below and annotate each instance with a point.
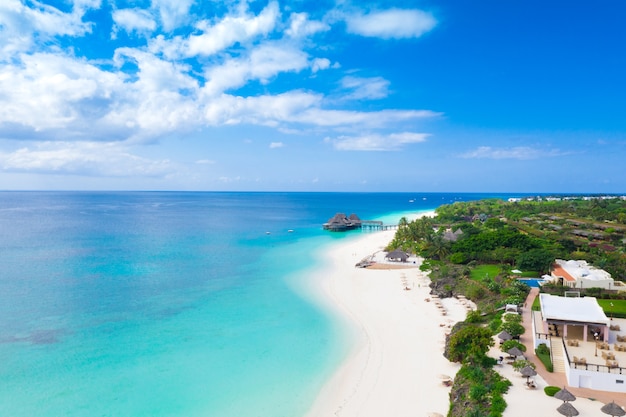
(563, 320)
(579, 274)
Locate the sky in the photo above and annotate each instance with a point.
(343, 95)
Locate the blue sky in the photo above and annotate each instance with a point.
(493, 96)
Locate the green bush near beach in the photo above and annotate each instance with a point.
(550, 390)
(543, 353)
(470, 249)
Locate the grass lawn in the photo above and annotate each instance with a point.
(616, 308)
(482, 271)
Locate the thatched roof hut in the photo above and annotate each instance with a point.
(340, 222)
(397, 255)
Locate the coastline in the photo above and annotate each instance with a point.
(396, 361)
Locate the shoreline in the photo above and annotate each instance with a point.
(396, 361)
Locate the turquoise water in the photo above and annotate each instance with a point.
(171, 304)
(532, 282)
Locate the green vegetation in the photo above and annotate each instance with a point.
(550, 390)
(510, 344)
(478, 391)
(613, 307)
(522, 363)
(471, 248)
(543, 353)
(469, 345)
(481, 272)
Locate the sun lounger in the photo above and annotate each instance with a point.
(612, 364)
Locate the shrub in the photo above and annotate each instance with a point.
(522, 363)
(510, 344)
(543, 353)
(512, 318)
(550, 390)
(458, 258)
(543, 349)
(514, 329)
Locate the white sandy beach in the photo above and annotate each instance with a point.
(396, 366)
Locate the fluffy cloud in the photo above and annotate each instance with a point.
(21, 24)
(69, 107)
(134, 20)
(276, 145)
(391, 24)
(263, 63)
(377, 142)
(300, 26)
(172, 12)
(82, 158)
(230, 30)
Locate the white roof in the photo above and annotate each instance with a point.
(580, 269)
(576, 309)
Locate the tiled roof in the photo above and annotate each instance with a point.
(558, 271)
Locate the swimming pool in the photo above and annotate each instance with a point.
(532, 282)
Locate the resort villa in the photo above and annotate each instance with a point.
(585, 344)
(579, 274)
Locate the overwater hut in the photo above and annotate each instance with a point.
(340, 222)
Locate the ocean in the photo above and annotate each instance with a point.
(172, 303)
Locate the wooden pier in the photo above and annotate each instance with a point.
(377, 225)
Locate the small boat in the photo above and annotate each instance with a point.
(290, 231)
(268, 233)
(411, 201)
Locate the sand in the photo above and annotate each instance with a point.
(522, 401)
(397, 364)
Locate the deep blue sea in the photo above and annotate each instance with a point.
(171, 304)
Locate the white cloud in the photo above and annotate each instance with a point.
(519, 152)
(177, 83)
(299, 107)
(365, 88)
(205, 162)
(21, 24)
(62, 91)
(391, 24)
(319, 64)
(322, 117)
(134, 20)
(276, 145)
(263, 63)
(82, 158)
(172, 12)
(230, 30)
(377, 142)
(300, 26)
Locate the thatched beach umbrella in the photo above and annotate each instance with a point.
(528, 371)
(567, 410)
(564, 395)
(504, 335)
(515, 351)
(613, 409)
(397, 255)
